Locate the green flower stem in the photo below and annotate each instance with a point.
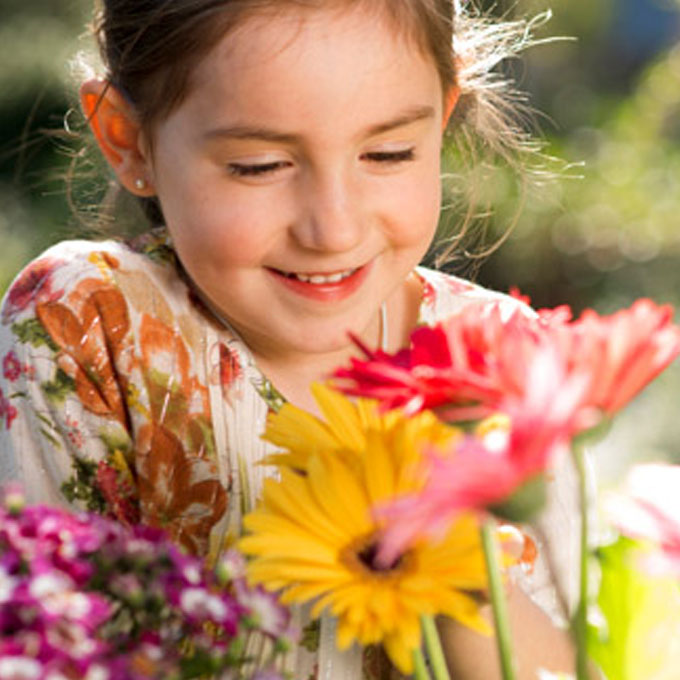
(580, 620)
(497, 595)
(434, 649)
(420, 671)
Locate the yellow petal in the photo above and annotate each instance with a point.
(292, 572)
(313, 551)
(464, 609)
(400, 654)
(369, 415)
(341, 415)
(346, 634)
(380, 482)
(382, 604)
(295, 460)
(296, 430)
(338, 492)
(293, 497)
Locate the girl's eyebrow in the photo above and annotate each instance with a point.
(408, 117)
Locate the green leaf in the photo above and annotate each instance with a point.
(311, 636)
(82, 486)
(50, 438)
(273, 398)
(640, 639)
(116, 438)
(33, 332)
(56, 390)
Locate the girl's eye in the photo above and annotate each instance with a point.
(390, 156)
(257, 169)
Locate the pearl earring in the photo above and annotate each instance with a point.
(140, 183)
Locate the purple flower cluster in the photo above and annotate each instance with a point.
(84, 597)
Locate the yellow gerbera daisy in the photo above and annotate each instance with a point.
(345, 427)
(314, 536)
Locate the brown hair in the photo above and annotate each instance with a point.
(150, 49)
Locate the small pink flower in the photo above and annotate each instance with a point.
(429, 295)
(20, 668)
(73, 433)
(11, 366)
(128, 587)
(265, 611)
(33, 285)
(63, 575)
(8, 411)
(200, 604)
(231, 566)
(12, 497)
(118, 493)
(7, 585)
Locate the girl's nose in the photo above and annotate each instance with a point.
(330, 216)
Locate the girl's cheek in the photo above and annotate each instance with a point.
(236, 231)
(416, 208)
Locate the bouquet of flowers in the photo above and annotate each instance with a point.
(82, 596)
(390, 510)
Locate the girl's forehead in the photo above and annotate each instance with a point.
(263, 35)
(311, 71)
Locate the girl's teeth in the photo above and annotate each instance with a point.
(318, 279)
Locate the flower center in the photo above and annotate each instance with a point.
(362, 556)
(368, 557)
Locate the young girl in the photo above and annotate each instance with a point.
(288, 155)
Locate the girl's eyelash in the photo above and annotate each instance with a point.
(258, 169)
(391, 156)
(241, 170)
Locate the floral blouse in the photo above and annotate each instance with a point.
(122, 393)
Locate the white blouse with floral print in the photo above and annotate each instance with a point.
(121, 393)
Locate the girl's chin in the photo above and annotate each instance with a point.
(327, 345)
(315, 340)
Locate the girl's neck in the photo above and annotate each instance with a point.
(292, 375)
(293, 378)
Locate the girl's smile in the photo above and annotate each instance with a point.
(299, 179)
(321, 286)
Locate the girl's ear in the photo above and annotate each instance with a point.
(118, 133)
(450, 104)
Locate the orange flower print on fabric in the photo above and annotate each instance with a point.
(91, 334)
(176, 396)
(226, 371)
(178, 490)
(230, 367)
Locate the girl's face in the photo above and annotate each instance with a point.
(300, 178)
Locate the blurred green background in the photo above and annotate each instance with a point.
(601, 235)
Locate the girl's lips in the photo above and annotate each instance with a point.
(324, 287)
